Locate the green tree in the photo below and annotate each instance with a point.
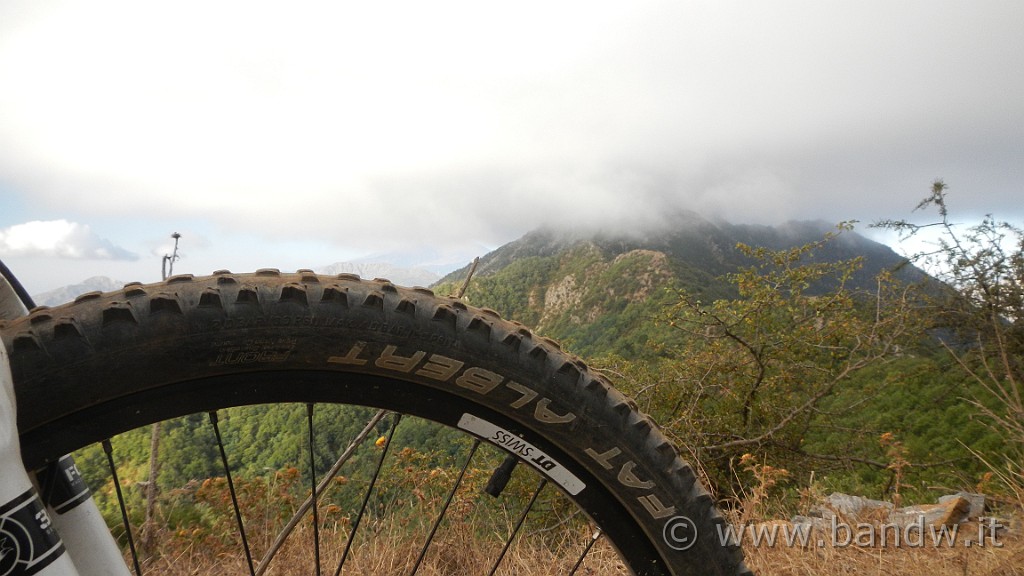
(981, 317)
(757, 367)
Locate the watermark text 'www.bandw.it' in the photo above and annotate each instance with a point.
(841, 535)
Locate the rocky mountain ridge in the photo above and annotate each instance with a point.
(599, 289)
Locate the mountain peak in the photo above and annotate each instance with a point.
(687, 237)
(575, 284)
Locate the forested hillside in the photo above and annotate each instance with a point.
(688, 321)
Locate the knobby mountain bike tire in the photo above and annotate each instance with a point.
(108, 363)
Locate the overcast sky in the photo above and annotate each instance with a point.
(293, 135)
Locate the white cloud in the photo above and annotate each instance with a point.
(408, 122)
(60, 239)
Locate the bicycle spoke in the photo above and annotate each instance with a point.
(444, 507)
(586, 551)
(349, 451)
(519, 524)
(109, 450)
(366, 497)
(313, 493)
(231, 489)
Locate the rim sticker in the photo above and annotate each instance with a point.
(526, 451)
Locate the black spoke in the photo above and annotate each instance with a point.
(586, 551)
(369, 491)
(312, 482)
(444, 508)
(109, 450)
(349, 451)
(519, 524)
(231, 489)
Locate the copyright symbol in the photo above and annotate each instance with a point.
(680, 533)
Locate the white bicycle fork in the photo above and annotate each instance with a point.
(63, 534)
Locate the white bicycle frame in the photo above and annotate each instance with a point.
(49, 524)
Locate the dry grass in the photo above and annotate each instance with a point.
(385, 552)
(456, 552)
(1004, 559)
(857, 550)
(475, 528)
(390, 544)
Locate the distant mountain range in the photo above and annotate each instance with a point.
(399, 275)
(66, 294)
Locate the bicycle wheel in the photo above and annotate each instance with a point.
(108, 363)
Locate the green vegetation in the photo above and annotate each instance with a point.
(827, 357)
(810, 362)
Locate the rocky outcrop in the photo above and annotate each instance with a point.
(587, 282)
(950, 510)
(562, 295)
